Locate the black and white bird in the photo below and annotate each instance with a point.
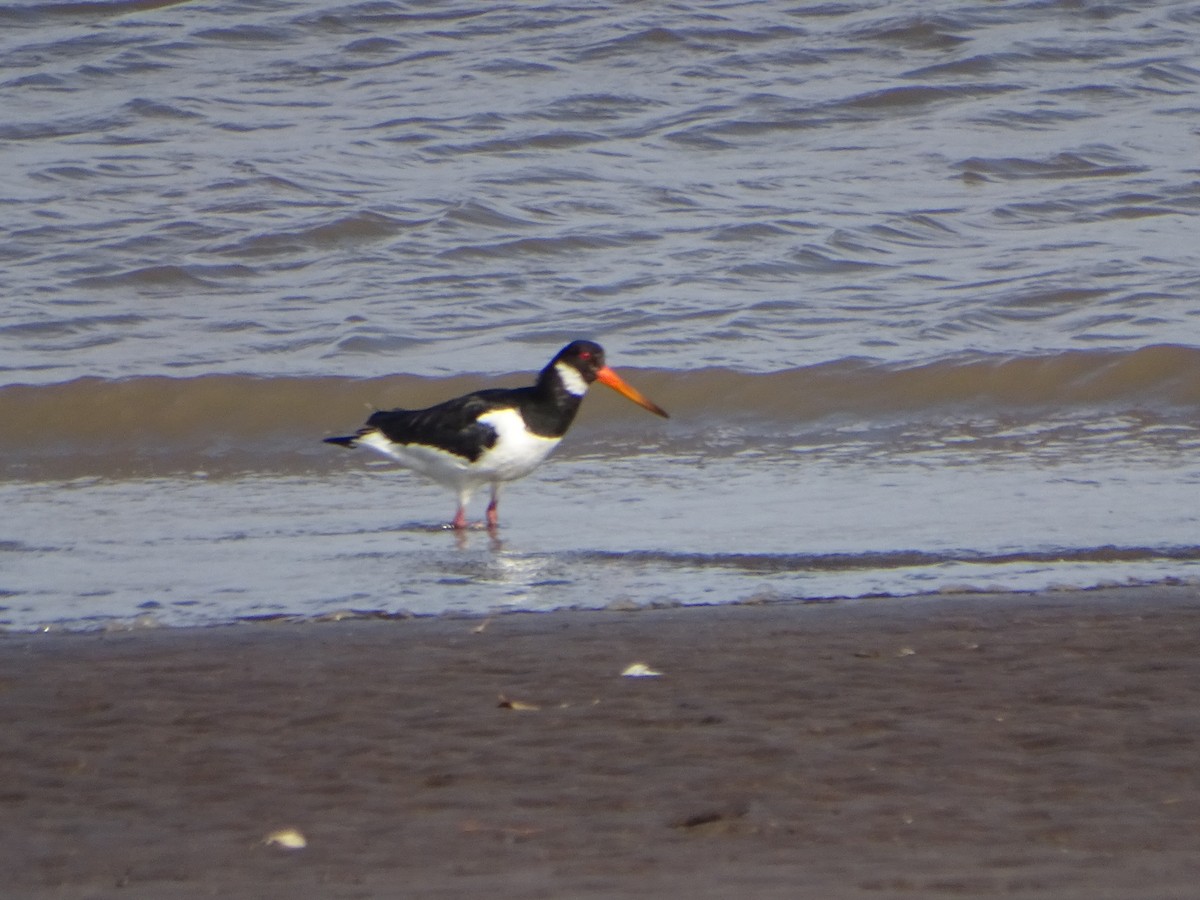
(495, 435)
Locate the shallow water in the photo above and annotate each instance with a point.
(916, 281)
(637, 525)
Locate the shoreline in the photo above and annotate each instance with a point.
(1031, 745)
(148, 622)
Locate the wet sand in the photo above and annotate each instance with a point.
(961, 746)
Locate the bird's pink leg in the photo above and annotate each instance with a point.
(493, 510)
(460, 519)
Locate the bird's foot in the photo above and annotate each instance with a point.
(467, 526)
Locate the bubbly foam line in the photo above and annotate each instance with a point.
(891, 559)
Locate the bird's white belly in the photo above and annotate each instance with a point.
(443, 467)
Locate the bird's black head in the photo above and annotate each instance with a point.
(585, 357)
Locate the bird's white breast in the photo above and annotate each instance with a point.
(517, 451)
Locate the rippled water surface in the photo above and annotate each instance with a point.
(917, 281)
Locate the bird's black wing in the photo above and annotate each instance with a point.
(452, 426)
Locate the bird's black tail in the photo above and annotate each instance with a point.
(348, 441)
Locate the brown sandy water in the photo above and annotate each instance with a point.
(313, 189)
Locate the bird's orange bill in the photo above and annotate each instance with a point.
(608, 377)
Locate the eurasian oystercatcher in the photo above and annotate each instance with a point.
(494, 435)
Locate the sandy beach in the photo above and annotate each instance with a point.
(1040, 745)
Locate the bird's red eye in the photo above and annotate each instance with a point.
(585, 354)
